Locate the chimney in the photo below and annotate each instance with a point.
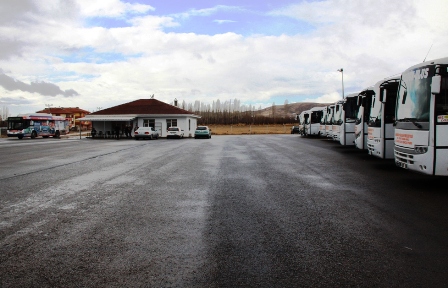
(175, 102)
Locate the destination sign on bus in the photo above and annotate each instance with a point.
(404, 138)
(421, 73)
(442, 119)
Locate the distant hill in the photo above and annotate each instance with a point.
(290, 110)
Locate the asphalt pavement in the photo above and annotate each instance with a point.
(230, 211)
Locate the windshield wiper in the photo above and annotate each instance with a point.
(413, 121)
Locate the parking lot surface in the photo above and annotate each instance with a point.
(231, 211)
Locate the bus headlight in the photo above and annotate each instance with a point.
(421, 149)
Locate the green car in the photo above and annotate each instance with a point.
(202, 132)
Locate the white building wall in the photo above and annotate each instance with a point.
(186, 123)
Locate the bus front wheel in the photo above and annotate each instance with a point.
(33, 135)
(57, 134)
(20, 137)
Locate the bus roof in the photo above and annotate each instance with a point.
(427, 63)
(39, 116)
(351, 95)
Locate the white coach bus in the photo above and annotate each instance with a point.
(421, 131)
(380, 138)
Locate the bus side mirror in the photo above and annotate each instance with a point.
(435, 84)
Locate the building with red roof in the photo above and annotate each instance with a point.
(72, 114)
(143, 113)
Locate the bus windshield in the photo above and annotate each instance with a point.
(330, 115)
(414, 96)
(389, 90)
(351, 109)
(376, 110)
(17, 123)
(337, 117)
(316, 116)
(363, 115)
(323, 117)
(359, 114)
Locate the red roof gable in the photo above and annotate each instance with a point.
(63, 110)
(142, 106)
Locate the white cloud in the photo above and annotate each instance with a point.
(207, 11)
(111, 8)
(327, 98)
(369, 40)
(223, 21)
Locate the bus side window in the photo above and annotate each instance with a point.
(442, 98)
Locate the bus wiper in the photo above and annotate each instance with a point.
(413, 121)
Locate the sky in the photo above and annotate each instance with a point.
(99, 54)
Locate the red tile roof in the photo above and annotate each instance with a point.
(142, 106)
(63, 110)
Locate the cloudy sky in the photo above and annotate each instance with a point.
(93, 54)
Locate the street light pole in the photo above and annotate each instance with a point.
(342, 71)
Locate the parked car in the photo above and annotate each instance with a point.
(146, 133)
(175, 132)
(202, 132)
(295, 129)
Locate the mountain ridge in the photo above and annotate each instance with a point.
(289, 110)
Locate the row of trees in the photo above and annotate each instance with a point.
(224, 112)
(233, 112)
(237, 117)
(217, 106)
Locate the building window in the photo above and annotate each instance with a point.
(149, 123)
(171, 123)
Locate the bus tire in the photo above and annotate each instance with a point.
(33, 134)
(57, 135)
(20, 137)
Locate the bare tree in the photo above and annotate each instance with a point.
(4, 113)
(287, 107)
(274, 110)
